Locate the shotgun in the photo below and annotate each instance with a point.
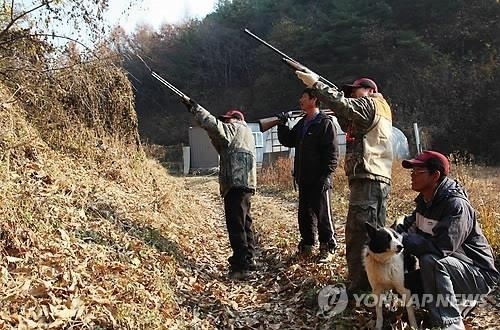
(170, 86)
(165, 82)
(269, 122)
(291, 62)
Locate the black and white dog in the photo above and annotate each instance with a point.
(384, 265)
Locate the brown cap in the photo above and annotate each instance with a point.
(429, 159)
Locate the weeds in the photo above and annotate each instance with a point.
(482, 185)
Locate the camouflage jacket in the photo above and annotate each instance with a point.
(367, 122)
(236, 147)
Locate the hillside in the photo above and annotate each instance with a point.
(100, 236)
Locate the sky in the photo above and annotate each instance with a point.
(157, 12)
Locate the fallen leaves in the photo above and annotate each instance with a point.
(82, 251)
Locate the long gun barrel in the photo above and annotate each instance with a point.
(170, 86)
(269, 122)
(165, 82)
(294, 64)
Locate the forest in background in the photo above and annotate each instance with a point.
(437, 63)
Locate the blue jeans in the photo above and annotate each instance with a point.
(443, 279)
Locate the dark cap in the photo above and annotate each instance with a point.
(431, 160)
(233, 113)
(361, 82)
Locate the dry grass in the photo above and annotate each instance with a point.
(482, 184)
(92, 229)
(77, 235)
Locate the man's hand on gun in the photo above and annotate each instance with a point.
(308, 77)
(325, 183)
(189, 103)
(283, 117)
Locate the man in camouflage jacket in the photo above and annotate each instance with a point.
(234, 142)
(365, 116)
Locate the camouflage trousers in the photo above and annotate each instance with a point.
(367, 203)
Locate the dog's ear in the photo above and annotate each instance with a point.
(370, 230)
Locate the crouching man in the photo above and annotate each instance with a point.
(455, 258)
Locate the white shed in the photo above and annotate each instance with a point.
(203, 155)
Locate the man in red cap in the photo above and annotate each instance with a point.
(233, 140)
(365, 116)
(456, 262)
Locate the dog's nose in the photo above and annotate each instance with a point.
(399, 248)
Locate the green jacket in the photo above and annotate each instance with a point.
(367, 122)
(236, 147)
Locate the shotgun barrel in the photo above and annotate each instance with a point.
(269, 122)
(164, 81)
(294, 65)
(170, 86)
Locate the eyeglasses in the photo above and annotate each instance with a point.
(417, 172)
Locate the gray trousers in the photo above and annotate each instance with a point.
(445, 283)
(367, 203)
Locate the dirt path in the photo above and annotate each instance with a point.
(283, 293)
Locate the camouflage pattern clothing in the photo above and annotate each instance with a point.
(235, 145)
(367, 122)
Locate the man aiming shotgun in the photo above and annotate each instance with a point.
(365, 116)
(234, 142)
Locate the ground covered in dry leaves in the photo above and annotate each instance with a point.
(283, 293)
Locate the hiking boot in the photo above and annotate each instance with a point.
(327, 252)
(325, 256)
(252, 265)
(304, 250)
(238, 274)
(455, 326)
(466, 307)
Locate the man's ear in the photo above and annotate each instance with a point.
(437, 174)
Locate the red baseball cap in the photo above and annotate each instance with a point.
(429, 159)
(233, 113)
(361, 82)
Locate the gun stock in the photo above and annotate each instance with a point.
(266, 124)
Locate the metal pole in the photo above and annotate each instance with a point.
(417, 138)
